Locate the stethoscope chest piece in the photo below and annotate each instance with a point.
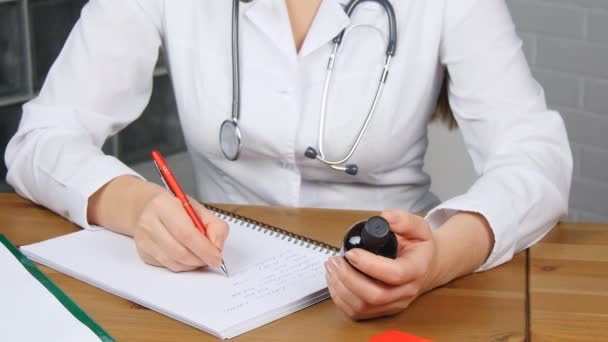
(230, 139)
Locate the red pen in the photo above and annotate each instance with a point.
(172, 185)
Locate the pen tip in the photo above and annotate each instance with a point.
(225, 270)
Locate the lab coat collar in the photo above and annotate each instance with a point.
(271, 17)
(329, 21)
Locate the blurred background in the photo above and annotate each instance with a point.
(565, 41)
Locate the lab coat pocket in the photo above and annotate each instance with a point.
(349, 99)
(269, 112)
(205, 101)
(262, 117)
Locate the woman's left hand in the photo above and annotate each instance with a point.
(385, 286)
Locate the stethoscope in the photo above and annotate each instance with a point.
(230, 134)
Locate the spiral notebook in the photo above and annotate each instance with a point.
(273, 273)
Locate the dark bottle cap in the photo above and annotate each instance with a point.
(375, 233)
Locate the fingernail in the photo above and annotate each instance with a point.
(352, 256)
(334, 263)
(328, 267)
(389, 215)
(218, 245)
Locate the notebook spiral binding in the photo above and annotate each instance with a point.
(276, 231)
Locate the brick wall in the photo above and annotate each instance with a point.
(566, 42)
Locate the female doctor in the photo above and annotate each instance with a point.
(256, 78)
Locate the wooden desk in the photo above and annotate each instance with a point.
(490, 306)
(569, 284)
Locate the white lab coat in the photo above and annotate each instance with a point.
(103, 79)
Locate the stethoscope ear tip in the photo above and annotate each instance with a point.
(352, 169)
(311, 153)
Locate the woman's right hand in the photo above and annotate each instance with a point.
(165, 235)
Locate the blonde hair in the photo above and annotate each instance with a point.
(444, 112)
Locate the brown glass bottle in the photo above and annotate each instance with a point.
(373, 235)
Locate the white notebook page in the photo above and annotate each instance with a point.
(29, 312)
(270, 276)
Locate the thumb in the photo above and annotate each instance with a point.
(407, 225)
(390, 271)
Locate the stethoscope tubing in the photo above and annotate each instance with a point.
(352, 169)
(236, 62)
(392, 23)
(230, 135)
(321, 155)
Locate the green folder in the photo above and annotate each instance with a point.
(61, 297)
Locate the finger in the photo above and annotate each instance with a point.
(340, 303)
(217, 229)
(151, 254)
(173, 265)
(354, 305)
(387, 310)
(407, 225)
(180, 226)
(362, 311)
(372, 292)
(391, 271)
(145, 256)
(166, 242)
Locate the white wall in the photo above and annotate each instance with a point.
(566, 42)
(447, 162)
(567, 45)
